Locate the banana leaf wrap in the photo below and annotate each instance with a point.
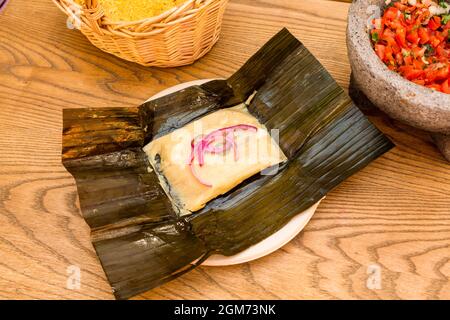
(140, 240)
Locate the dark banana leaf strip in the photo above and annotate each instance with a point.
(140, 240)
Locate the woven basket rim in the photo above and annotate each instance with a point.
(178, 37)
(95, 19)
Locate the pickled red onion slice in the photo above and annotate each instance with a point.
(206, 144)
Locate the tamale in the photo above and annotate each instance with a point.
(210, 156)
(142, 242)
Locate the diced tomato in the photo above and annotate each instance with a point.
(413, 36)
(388, 55)
(419, 81)
(418, 64)
(423, 35)
(442, 73)
(442, 36)
(396, 48)
(388, 36)
(397, 24)
(435, 23)
(418, 52)
(408, 60)
(410, 73)
(434, 86)
(391, 13)
(445, 86)
(435, 41)
(422, 17)
(380, 50)
(399, 58)
(443, 53)
(447, 26)
(430, 75)
(400, 37)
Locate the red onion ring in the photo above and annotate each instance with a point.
(205, 145)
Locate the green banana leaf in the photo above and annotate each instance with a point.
(140, 240)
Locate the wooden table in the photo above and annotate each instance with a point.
(392, 219)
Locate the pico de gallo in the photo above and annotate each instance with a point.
(413, 38)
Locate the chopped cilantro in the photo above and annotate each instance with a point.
(429, 50)
(443, 4)
(375, 37)
(445, 18)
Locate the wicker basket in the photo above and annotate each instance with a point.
(175, 38)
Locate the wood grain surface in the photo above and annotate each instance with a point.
(394, 216)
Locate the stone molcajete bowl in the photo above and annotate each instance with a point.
(401, 99)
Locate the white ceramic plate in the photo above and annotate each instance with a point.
(268, 245)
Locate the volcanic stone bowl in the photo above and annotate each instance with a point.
(401, 99)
